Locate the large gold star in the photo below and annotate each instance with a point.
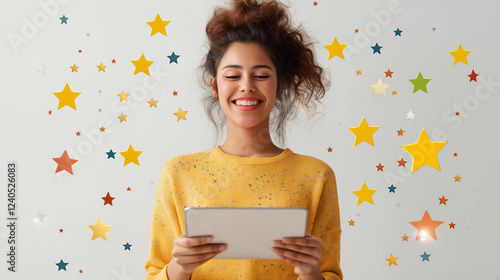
(66, 97)
(364, 194)
(181, 114)
(424, 152)
(142, 65)
(123, 96)
(426, 227)
(460, 55)
(335, 49)
(99, 230)
(364, 133)
(392, 260)
(131, 156)
(379, 87)
(158, 25)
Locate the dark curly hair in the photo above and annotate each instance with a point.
(268, 23)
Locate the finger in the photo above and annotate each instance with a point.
(184, 241)
(309, 241)
(312, 251)
(296, 256)
(197, 250)
(192, 259)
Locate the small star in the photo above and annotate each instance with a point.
(142, 65)
(392, 260)
(379, 88)
(60, 230)
(364, 194)
(101, 67)
(460, 55)
(61, 265)
(158, 25)
(80, 51)
(400, 132)
(315, 3)
(88, 34)
(131, 156)
(398, 32)
(152, 103)
(452, 225)
(442, 200)
(425, 256)
(380, 167)
(81, 271)
(123, 96)
(419, 83)
(457, 113)
(102, 129)
(394, 92)
(100, 91)
(65, 163)
(108, 199)
(388, 73)
(78, 133)
(64, 19)
(111, 154)
(351, 222)
(329, 149)
(473, 76)
(358, 72)
(434, 29)
(356, 30)
(127, 246)
(122, 117)
(50, 112)
(376, 48)
(129, 189)
(410, 115)
(42, 68)
(173, 57)
(74, 68)
(113, 61)
(174, 93)
(99, 230)
(455, 154)
(39, 218)
(405, 237)
(99, 110)
(457, 179)
(392, 189)
(402, 162)
(181, 114)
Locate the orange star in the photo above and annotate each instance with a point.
(102, 128)
(108, 199)
(457, 179)
(388, 73)
(442, 200)
(128, 189)
(402, 162)
(50, 112)
(358, 72)
(394, 92)
(426, 227)
(380, 167)
(329, 149)
(78, 133)
(80, 51)
(400, 132)
(473, 76)
(113, 61)
(452, 225)
(315, 3)
(351, 222)
(356, 30)
(81, 271)
(405, 237)
(457, 113)
(60, 230)
(455, 154)
(174, 93)
(64, 163)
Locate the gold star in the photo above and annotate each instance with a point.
(152, 103)
(131, 156)
(335, 49)
(99, 230)
(74, 68)
(181, 114)
(101, 67)
(392, 260)
(379, 87)
(460, 55)
(364, 133)
(364, 194)
(457, 179)
(358, 72)
(424, 152)
(122, 117)
(405, 237)
(351, 222)
(123, 96)
(158, 25)
(394, 92)
(142, 65)
(66, 97)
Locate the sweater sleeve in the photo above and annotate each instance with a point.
(327, 228)
(165, 228)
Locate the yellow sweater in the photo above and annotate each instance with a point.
(216, 179)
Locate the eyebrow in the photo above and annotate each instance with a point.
(241, 67)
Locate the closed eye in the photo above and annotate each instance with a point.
(261, 77)
(232, 77)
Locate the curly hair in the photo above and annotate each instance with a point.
(268, 23)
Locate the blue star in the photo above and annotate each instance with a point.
(64, 19)
(398, 32)
(88, 34)
(100, 91)
(376, 48)
(111, 154)
(127, 246)
(434, 29)
(425, 256)
(392, 188)
(173, 57)
(61, 265)
(99, 109)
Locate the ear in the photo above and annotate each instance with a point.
(213, 86)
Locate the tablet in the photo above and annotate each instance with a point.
(248, 232)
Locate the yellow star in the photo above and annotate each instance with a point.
(457, 179)
(66, 97)
(460, 55)
(123, 96)
(394, 92)
(364, 133)
(358, 72)
(158, 25)
(392, 260)
(99, 230)
(424, 152)
(335, 49)
(131, 156)
(142, 65)
(379, 87)
(122, 117)
(152, 103)
(405, 237)
(181, 114)
(101, 67)
(351, 222)
(74, 68)
(364, 194)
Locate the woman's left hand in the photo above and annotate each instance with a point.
(301, 252)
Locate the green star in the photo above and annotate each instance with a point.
(419, 83)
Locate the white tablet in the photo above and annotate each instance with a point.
(248, 232)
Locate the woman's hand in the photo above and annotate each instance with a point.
(301, 252)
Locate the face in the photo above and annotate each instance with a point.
(246, 71)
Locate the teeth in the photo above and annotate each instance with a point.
(246, 102)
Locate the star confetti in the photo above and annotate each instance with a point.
(142, 65)
(158, 25)
(131, 156)
(419, 83)
(460, 55)
(173, 57)
(351, 222)
(379, 88)
(426, 227)
(376, 48)
(152, 103)
(364, 133)
(64, 163)
(181, 114)
(123, 96)
(99, 230)
(442, 200)
(39, 218)
(61, 265)
(457, 178)
(64, 19)
(405, 237)
(101, 67)
(392, 260)
(74, 68)
(108, 199)
(424, 152)
(111, 154)
(473, 76)
(425, 256)
(335, 49)
(127, 246)
(364, 194)
(67, 97)
(122, 117)
(380, 167)
(410, 115)
(397, 32)
(392, 189)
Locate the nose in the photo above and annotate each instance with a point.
(247, 84)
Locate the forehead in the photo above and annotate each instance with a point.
(246, 55)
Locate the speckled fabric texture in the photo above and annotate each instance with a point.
(216, 179)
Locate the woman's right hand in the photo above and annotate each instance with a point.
(191, 252)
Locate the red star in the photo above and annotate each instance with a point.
(128, 189)
(442, 200)
(473, 76)
(426, 227)
(356, 30)
(457, 113)
(60, 230)
(388, 73)
(81, 271)
(315, 3)
(455, 154)
(452, 225)
(102, 128)
(78, 133)
(80, 51)
(175, 93)
(400, 132)
(64, 163)
(50, 112)
(380, 167)
(108, 199)
(402, 162)
(329, 149)
(113, 61)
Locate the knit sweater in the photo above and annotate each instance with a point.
(215, 179)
